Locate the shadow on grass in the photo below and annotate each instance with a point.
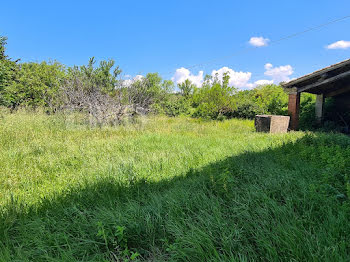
(286, 203)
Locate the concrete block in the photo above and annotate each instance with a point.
(271, 123)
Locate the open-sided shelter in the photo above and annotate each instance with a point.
(332, 81)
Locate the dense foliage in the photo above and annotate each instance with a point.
(162, 188)
(98, 90)
(40, 85)
(8, 72)
(36, 85)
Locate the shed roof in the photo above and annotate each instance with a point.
(328, 80)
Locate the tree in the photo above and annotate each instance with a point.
(8, 71)
(36, 85)
(186, 88)
(105, 75)
(3, 41)
(148, 91)
(96, 91)
(271, 98)
(215, 98)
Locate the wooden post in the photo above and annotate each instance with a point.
(319, 108)
(293, 107)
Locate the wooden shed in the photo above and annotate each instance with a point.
(332, 81)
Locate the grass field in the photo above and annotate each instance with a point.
(170, 189)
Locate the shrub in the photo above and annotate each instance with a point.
(187, 88)
(307, 118)
(147, 91)
(92, 90)
(272, 99)
(214, 98)
(8, 72)
(173, 105)
(36, 85)
(268, 99)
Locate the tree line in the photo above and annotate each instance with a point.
(100, 91)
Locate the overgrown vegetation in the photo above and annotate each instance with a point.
(99, 91)
(160, 187)
(170, 189)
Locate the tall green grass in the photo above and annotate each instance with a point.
(170, 189)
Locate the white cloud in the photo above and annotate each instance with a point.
(237, 79)
(181, 74)
(259, 41)
(138, 77)
(268, 66)
(278, 74)
(128, 82)
(263, 82)
(339, 45)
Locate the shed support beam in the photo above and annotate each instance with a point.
(339, 91)
(293, 108)
(323, 82)
(319, 108)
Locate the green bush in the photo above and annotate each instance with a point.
(333, 119)
(214, 99)
(268, 99)
(36, 85)
(8, 71)
(173, 105)
(307, 118)
(104, 76)
(149, 92)
(272, 99)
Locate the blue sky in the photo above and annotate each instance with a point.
(165, 36)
